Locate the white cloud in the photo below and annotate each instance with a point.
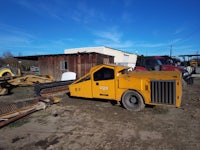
(122, 44)
(82, 13)
(62, 10)
(148, 45)
(175, 41)
(112, 38)
(12, 30)
(12, 40)
(12, 36)
(51, 9)
(179, 30)
(109, 35)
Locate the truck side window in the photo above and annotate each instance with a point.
(104, 74)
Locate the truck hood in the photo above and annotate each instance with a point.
(157, 75)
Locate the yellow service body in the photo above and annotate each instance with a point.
(155, 87)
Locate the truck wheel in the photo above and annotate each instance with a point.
(132, 100)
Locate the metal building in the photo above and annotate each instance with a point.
(120, 57)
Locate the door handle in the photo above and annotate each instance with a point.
(97, 83)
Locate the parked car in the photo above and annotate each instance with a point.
(162, 63)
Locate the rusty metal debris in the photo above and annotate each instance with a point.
(7, 121)
(45, 93)
(3, 91)
(10, 112)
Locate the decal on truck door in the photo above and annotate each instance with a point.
(103, 87)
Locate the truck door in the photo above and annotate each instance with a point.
(103, 85)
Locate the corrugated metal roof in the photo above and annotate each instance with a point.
(35, 57)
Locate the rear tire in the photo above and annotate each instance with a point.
(132, 100)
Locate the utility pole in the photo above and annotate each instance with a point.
(171, 51)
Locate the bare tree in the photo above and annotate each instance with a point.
(7, 54)
(2, 63)
(9, 59)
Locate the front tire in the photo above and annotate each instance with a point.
(132, 100)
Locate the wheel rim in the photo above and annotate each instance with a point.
(132, 100)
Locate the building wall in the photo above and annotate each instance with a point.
(120, 57)
(79, 63)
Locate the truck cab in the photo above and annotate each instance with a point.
(100, 82)
(133, 89)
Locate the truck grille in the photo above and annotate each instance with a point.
(163, 92)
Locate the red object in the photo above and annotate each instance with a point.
(139, 68)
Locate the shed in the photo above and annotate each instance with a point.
(80, 63)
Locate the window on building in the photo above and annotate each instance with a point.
(63, 65)
(104, 74)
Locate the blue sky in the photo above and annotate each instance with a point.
(148, 27)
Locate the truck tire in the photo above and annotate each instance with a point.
(132, 100)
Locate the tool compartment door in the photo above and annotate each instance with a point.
(103, 85)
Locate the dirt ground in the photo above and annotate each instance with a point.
(76, 124)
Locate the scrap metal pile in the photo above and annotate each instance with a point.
(10, 112)
(6, 84)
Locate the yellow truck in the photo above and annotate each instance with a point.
(134, 89)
